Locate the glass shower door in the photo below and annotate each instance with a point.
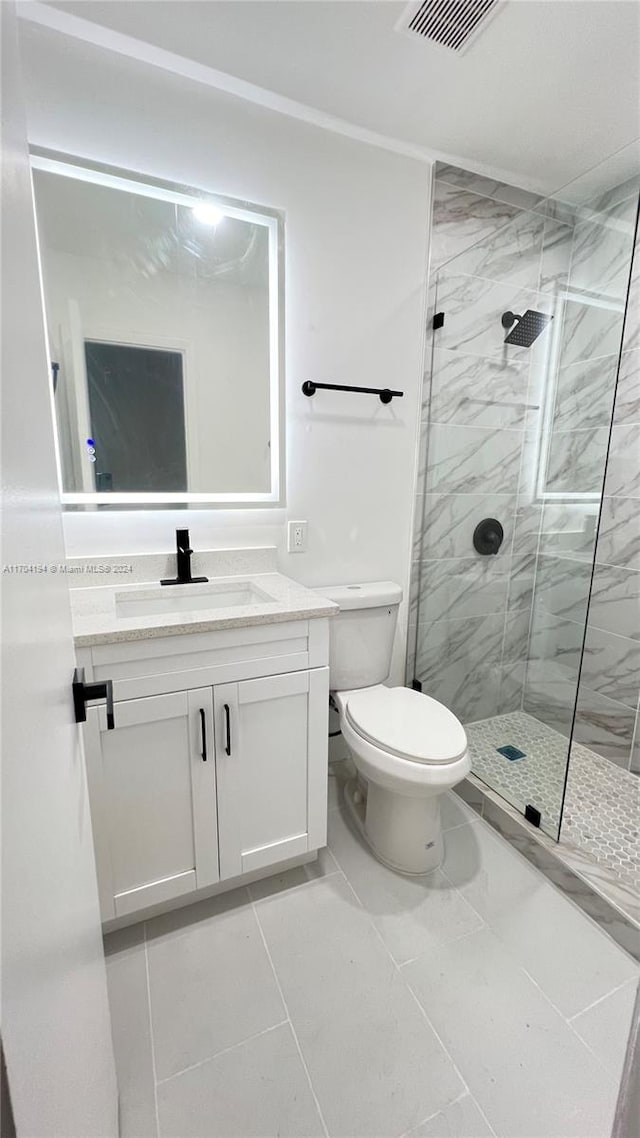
(514, 445)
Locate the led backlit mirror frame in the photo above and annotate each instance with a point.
(273, 221)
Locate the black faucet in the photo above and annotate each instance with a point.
(183, 562)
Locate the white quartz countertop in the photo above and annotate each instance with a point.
(103, 614)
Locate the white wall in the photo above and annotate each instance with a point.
(356, 252)
(223, 330)
(56, 1030)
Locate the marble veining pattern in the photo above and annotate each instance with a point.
(627, 408)
(461, 459)
(476, 391)
(584, 394)
(450, 519)
(623, 468)
(461, 587)
(511, 256)
(619, 536)
(521, 582)
(569, 530)
(611, 666)
(605, 726)
(468, 400)
(461, 219)
(589, 331)
(615, 601)
(458, 662)
(575, 463)
(550, 694)
(474, 307)
(489, 187)
(602, 248)
(562, 586)
(632, 331)
(556, 254)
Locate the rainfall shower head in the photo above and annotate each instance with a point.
(527, 327)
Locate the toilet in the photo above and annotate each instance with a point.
(408, 749)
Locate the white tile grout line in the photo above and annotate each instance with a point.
(288, 889)
(517, 964)
(224, 1051)
(630, 980)
(444, 943)
(568, 1022)
(415, 998)
(289, 1020)
(422, 1013)
(151, 1034)
(436, 1113)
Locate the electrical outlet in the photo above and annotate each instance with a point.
(297, 537)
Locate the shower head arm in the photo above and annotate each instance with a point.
(509, 318)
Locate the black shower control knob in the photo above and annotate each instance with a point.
(488, 536)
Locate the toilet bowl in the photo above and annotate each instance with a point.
(408, 748)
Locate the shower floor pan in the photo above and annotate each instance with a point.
(601, 823)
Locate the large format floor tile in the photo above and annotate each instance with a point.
(256, 1089)
(211, 981)
(375, 1063)
(323, 866)
(410, 913)
(131, 1030)
(462, 1119)
(527, 1069)
(563, 951)
(491, 876)
(605, 1026)
(338, 1043)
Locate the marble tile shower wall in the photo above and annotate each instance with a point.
(493, 249)
(609, 696)
(583, 403)
(482, 639)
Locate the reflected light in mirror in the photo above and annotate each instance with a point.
(207, 214)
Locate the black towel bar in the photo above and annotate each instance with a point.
(384, 394)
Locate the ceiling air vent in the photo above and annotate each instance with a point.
(450, 23)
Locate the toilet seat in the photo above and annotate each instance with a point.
(406, 724)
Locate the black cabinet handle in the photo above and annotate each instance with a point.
(227, 720)
(203, 732)
(83, 692)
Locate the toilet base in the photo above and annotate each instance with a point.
(404, 833)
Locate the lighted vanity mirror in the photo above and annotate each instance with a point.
(164, 317)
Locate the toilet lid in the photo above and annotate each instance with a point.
(407, 723)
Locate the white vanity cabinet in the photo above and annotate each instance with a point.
(267, 796)
(153, 799)
(217, 765)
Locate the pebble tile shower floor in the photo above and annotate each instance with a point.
(341, 999)
(602, 809)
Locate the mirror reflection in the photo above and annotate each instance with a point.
(163, 340)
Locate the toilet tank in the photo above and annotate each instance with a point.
(361, 634)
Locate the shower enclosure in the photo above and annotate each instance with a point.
(525, 615)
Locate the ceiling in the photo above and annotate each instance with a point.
(547, 90)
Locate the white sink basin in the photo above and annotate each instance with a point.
(189, 598)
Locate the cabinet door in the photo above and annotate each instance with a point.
(153, 799)
(271, 761)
